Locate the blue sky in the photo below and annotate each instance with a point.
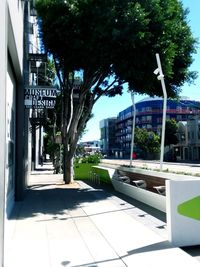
(110, 107)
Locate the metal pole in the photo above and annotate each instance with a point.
(161, 78)
(37, 75)
(60, 163)
(133, 128)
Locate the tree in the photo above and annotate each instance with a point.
(147, 141)
(108, 44)
(171, 132)
(50, 115)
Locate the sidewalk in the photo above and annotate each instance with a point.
(76, 225)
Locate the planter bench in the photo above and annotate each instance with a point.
(161, 189)
(176, 195)
(139, 186)
(139, 183)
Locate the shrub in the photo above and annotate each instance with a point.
(90, 158)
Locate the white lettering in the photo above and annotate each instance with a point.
(41, 92)
(40, 97)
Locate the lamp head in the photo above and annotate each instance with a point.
(156, 71)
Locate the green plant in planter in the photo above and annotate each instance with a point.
(83, 165)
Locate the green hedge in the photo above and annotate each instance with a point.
(103, 174)
(83, 165)
(82, 170)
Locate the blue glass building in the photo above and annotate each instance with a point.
(149, 112)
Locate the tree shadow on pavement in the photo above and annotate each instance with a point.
(54, 200)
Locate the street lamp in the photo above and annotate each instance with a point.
(160, 77)
(133, 128)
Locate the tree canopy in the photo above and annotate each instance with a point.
(120, 38)
(147, 141)
(171, 132)
(110, 43)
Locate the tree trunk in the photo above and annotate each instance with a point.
(68, 170)
(75, 117)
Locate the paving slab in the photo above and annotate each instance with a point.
(76, 225)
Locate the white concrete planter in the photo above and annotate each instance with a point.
(181, 203)
(152, 199)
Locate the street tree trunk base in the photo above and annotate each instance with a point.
(68, 174)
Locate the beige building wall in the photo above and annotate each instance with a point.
(194, 138)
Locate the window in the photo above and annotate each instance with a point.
(192, 135)
(179, 117)
(149, 126)
(143, 118)
(198, 130)
(148, 118)
(148, 108)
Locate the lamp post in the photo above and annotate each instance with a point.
(133, 128)
(161, 78)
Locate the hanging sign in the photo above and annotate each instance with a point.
(40, 97)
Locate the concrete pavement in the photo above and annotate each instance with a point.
(76, 225)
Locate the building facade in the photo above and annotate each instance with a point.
(188, 147)
(193, 138)
(149, 112)
(14, 130)
(90, 146)
(181, 149)
(108, 140)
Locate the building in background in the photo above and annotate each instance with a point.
(149, 112)
(90, 146)
(193, 138)
(181, 149)
(188, 147)
(108, 139)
